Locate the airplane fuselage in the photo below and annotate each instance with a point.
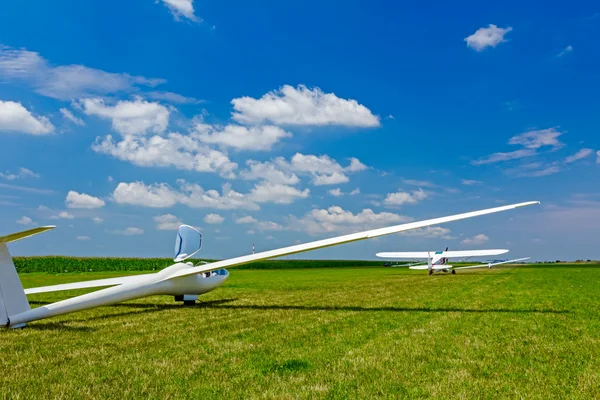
(149, 285)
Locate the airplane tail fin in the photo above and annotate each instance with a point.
(12, 296)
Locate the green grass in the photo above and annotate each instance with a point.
(528, 332)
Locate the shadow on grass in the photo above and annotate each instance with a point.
(386, 309)
(57, 326)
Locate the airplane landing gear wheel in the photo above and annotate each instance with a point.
(189, 302)
(430, 272)
(453, 272)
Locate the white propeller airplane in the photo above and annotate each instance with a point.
(182, 280)
(438, 261)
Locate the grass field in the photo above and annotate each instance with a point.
(527, 332)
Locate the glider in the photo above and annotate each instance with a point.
(438, 261)
(182, 279)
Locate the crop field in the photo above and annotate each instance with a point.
(322, 333)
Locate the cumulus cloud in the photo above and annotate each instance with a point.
(323, 169)
(487, 37)
(246, 220)
(65, 82)
(337, 192)
(182, 8)
(213, 219)
(269, 192)
(16, 118)
(400, 198)
(174, 150)
(476, 240)
(130, 231)
(581, 154)
(161, 195)
(268, 171)
(23, 173)
(167, 222)
(429, 232)
(63, 215)
(68, 115)
(129, 117)
(303, 107)
(256, 138)
(83, 200)
(25, 221)
(336, 219)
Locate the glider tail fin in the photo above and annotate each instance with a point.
(12, 296)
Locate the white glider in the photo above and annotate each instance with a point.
(438, 261)
(182, 280)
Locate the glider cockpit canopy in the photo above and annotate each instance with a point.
(187, 243)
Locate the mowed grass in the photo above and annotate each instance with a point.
(527, 332)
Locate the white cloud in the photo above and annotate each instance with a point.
(303, 106)
(598, 157)
(16, 118)
(400, 198)
(566, 50)
(69, 115)
(25, 221)
(336, 219)
(213, 219)
(268, 171)
(429, 232)
(498, 157)
(130, 231)
(83, 200)
(414, 182)
(583, 153)
(246, 220)
(487, 37)
(65, 82)
(337, 192)
(83, 238)
(174, 150)
(323, 169)
(538, 138)
(268, 192)
(534, 170)
(97, 220)
(157, 195)
(182, 8)
(167, 222)
(172, 98)
(26, 189)
(256, 138)
(161, 195)
(476, 240)
(23, 173)
(62, 215)
(469, 182)
(129, 117)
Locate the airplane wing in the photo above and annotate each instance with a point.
(444, 254)
(405, 254)
(319, 244)
(490, 265)
(23, 234)
(419, 266)
(88, 284)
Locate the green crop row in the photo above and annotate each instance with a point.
(58, 264)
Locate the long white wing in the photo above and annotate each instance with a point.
(232, 262)
(444, 254)
(489, 265)
(88, 284)
(23, 234)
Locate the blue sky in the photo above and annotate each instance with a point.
(276, 123)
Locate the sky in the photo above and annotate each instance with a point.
(276, 123)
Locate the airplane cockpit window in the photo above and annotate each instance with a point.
(187, 242)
